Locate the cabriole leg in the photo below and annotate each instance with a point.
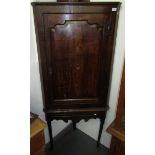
(74, 125)
(100, 130)
(50, 132)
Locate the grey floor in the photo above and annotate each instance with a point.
(75, 142)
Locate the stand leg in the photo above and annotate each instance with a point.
(50, 132)
(74, 125)
(100, 131)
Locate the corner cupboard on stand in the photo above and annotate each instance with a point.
(76, 42)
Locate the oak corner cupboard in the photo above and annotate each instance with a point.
(76, 42)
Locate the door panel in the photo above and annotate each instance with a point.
(75, 47)
(76, 44)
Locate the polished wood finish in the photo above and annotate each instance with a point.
(37, 144)
(117, 147)
(37, 125)
(37, 139)
(75, 47)
(117, 128)
(117, 132)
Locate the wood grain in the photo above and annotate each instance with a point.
(37, 144)
(37, 139)
(36, 126)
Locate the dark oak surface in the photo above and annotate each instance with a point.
(75, 47)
